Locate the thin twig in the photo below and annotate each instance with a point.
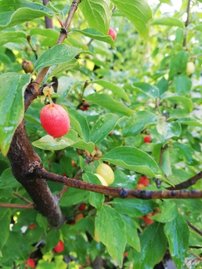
(48, 21)
(22, 198)
(118, 192)
(194, 228)
(20, 206)
(186, 184)
(32, 48)
(187, 22)
(63, 35)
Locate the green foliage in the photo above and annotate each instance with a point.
(116, 92)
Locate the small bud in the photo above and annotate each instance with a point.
(27, 66)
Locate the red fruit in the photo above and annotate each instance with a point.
(147, 139)
(147, 220)
(59, 247)
(55, 120)
(82, 207)
(112, 33)
(32, 226)
(30, 263)
(143, 180)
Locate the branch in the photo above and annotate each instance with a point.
(118, 192)
(198, 231)
(191, 181)
(8, 205)
(187, 22)
(48, 21)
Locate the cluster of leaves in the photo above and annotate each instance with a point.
(130, 88)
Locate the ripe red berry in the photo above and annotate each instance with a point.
(143, 180)
(30, 263)
(82, 207)
(112, 33)
(55, 120)
(147, 139)
(147, 219)
(59, 247)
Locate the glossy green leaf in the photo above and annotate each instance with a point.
(168, 211)
(48, 142)
(177, 233)
(131, 232)
(138, 122)
(132, 207)
(182, 84)
(133, 159)
(58, 54)
(168, 21)
(74, 196)
(17, 37)
(116, 90)
(102, 127)
(178, 64)
(110, 230)
(19, 11)
(95, 199)
(183, 105)
(12, 87)
(148, 89)
(4, 226)
(153, 247)
(166, 162)
(137, 11)
(94, 34)
(108, 102)
(7, 180)
(97, 14)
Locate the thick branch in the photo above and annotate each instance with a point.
(24, 160)
(186, 184)
(118, 192)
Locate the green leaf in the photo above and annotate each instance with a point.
(48, 142)
(183, 105)
(178, 64)
(168, 21)
(168, 211)
(110, 230)
(148, 89)
(153, 247)
(108, 102)
(182, 84)
(7, 180)
(131, 233)
(137, 11)
(177, 233)
(12, 87)
(74, 197)
(80, 124)
(19, 11)
(166, 163)
(95, 199)
(138, 122)
(58, 54)
(96, 13)
(116, 90)
(94, 34)
(4, 226)
(133, 159)
(16, 37)
(102, 127)
(132, 207)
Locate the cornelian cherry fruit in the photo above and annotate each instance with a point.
(30, 263)
(144, 181)
(147, 139)
(55, 120)
(59, 247)
(112, 33)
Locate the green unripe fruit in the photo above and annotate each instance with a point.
(105, 174)
(190, 68)
(27, 66)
